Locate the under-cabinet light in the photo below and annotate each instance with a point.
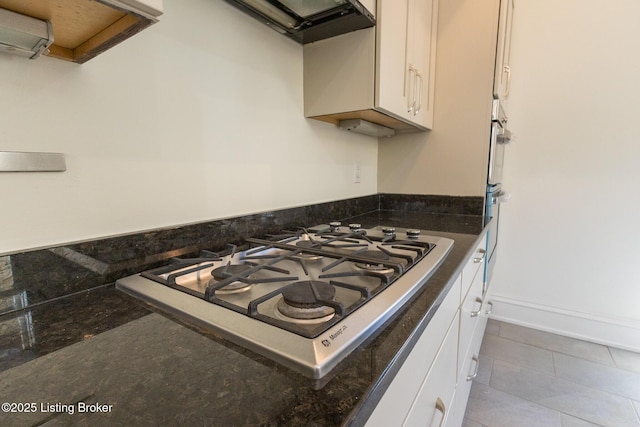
(24, 35)
(366, 128)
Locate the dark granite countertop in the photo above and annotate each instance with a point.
(104, 347)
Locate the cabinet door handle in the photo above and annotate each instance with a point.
(507, 71)
(475, 313)
(440, 408)
(479, 259)
(418, 89)
(411, 91)
(475, 371)
(490, 304)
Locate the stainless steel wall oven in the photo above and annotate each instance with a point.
(500, 137)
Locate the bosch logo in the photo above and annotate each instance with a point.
(326, 343)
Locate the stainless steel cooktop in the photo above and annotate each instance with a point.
(305, 299)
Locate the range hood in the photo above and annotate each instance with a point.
(307, 21)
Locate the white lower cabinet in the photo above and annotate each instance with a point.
(470, 314)
(409, 383)
(474, 312)
(470, 364)
(432, 405)
(432, 386)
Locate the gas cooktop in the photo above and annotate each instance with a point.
(305, 299)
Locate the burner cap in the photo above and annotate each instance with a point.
(227, 271)
(221, 273)
(301, 295)
(377, 255)
(305, 244)
(299, 304)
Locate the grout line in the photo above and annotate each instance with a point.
(598, 386)
(547, 407)
(594, 387)
(499, 327)
(560, 351)
(585, 359)
(533, 402)
(585, 386)
(517, 363)
(576, 417)
(612, 358)
(636, 408)
(491, 370)
(468, 417)
(582, 419)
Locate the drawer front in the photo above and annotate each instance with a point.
(396, 402)
(434, 401)
(471, 313)
(466, 376)
(473, 266)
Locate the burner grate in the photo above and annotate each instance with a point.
(344, 255)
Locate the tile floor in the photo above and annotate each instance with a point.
(533, 378)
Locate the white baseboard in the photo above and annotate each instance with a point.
(620, 333)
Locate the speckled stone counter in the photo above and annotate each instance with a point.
(141, 367)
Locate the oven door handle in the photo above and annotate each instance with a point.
(501, 197)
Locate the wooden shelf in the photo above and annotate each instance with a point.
(82, 29)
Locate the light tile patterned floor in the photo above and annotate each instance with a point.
(533, 378)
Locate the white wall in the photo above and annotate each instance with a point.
(569, 244)
(452, 158)
(198, 117)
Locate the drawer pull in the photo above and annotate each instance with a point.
(440, 408)
(475, 371)
(490, 304)
(475, 313)
(479, 259)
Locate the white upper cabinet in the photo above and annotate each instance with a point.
(502, 78)
(423, 59)
(83, 29)
(383, 75)
(392, 52)
(406, 59)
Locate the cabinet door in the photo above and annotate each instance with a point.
(502, 77)
(475, 264)
(468, 361)
(466, 377)
(421, 47)
(471, 313)
(405, 59)
(392, 79)
(433, 403)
